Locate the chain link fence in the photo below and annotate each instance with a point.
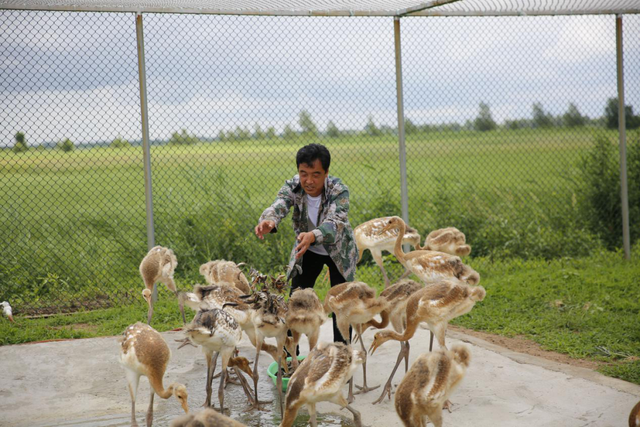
(507, 120)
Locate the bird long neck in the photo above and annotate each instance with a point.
(384, 321)
(290, 415)
(407, 334)
(158, 387)
(397, 250)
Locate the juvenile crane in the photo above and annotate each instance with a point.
(320, 377)
(428, 384)
(158, 266)
(449, 240)
(372, 235)
(216, 330)
(143, 351)
(227, 272)
(397, 295)
(435, 305)
(354, 304)
(6, 310)
(430, 266)
(206, 418)
(305, 316)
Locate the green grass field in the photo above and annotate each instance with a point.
(73, 224)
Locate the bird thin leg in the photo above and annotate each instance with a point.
(181, 307)
(406, 356)
(279, 376)
(387, 387)
(313, 418)
(207, 402)
(244, 384)
(150, 410)
(223, 375)
(133, 380)
(377, 257)
(364, 388)
(340, 400)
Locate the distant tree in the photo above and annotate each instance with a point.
(371, 129)
(573, 118)
(119, 142)
(271, 133)
(288, 133)
(541, 119)
(611, 115)
(409, 127)
(183, 138)
(222, 136)
(21, 143)
(309, 128)
(66, 145)
(257, 132)
(242, 133)
(484, 122)
(332, 130)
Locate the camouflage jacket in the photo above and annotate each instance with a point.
(334, 233)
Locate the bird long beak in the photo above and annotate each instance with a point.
(185, 407)
(373, 348)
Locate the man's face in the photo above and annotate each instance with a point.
(312, 177)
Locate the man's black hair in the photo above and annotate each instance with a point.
(312, 152)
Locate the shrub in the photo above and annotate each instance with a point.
(120, 143)
(599, 189)
(66, 145)
(21, 144)
(183, 138)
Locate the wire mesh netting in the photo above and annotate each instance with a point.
(511, 136)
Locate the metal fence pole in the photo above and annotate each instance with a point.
(402, 148)
(623, 141)
(146, 153)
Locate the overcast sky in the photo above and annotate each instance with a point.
(75, 75)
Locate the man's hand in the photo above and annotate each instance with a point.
(305, 239)
(264, 227)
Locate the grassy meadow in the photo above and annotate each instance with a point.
(73, 229)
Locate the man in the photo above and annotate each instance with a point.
(320, 220)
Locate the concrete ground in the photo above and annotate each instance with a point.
(81, 383)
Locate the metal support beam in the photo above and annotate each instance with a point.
(624, 195)
(401, 133)
(146, 152)
(404, 196)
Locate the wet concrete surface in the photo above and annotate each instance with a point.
(80, 383)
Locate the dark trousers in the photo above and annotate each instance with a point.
(312, 265)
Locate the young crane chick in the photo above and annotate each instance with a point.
(430, 266)
(435, 305)
(398, 295)
(449, 240)
(227, 272)
(158, 266)
(205, 418)
(320, 377)
(305, 316)
(354, 304)
(372, 235)
(143, 351)
(268, 312)
(217, 331)
(428, 384)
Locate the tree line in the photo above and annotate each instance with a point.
(483, 122)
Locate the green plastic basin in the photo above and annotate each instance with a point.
(272, 370)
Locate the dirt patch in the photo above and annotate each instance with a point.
(526, 346)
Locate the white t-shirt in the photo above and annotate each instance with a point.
(313, 206)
